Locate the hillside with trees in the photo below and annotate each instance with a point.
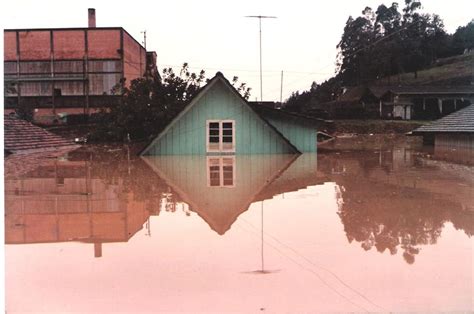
(394, 45)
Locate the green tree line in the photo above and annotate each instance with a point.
(384, 42)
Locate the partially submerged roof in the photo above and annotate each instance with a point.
(219, 77)
(21, 136)
(461, 121)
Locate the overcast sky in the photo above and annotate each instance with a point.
(215, 35)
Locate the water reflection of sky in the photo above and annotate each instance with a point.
(347, 231)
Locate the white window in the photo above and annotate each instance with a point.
(221, 171)
(220, 135)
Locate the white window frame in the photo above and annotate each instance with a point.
(221, 143)
(220, 162)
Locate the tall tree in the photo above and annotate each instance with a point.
(463, 38)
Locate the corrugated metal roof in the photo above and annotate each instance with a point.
(22, 136)
(461, 121)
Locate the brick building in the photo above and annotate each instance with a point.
(71, 70)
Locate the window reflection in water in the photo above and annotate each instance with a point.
(221, 171)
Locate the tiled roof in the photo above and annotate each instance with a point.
(461, 121)
(22, 136)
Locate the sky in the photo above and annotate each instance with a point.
(216, 35)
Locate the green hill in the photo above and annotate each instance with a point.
(457, 70)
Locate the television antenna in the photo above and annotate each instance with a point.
(260, 17)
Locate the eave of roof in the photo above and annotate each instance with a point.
(461, 121)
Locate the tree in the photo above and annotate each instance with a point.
(296, 102)
(463, 38)
(387, 42)
(148, 105)
(242, 88)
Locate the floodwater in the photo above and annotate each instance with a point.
(373, 229)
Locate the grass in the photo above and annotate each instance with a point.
(448, 70)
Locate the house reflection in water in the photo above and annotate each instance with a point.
(76, 200)
(220, 188)
(98, 199)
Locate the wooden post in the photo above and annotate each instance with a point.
(440, 105)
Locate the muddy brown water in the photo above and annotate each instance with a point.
(384, 227)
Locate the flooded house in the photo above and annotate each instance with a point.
(64, 71)
(218, 120)
(453, 134)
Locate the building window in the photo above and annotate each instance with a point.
(221, 136)
(221, 172)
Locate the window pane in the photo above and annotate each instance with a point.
(214, 132)
(227, 132)
(102, 84)
(228, 175)
(227, 125)
(9, 67)
(68, 66)
(214, 125)
(214, 176)
(105, 66)
(31, 67)
(213, 139)
(227, 139)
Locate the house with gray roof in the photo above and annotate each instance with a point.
(454, 131)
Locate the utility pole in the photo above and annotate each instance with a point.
(144, 38)
(260, 17)
(281, 88)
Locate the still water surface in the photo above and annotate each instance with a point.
(99, 230)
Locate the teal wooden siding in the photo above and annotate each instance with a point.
(187, 136)
(302, 135)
